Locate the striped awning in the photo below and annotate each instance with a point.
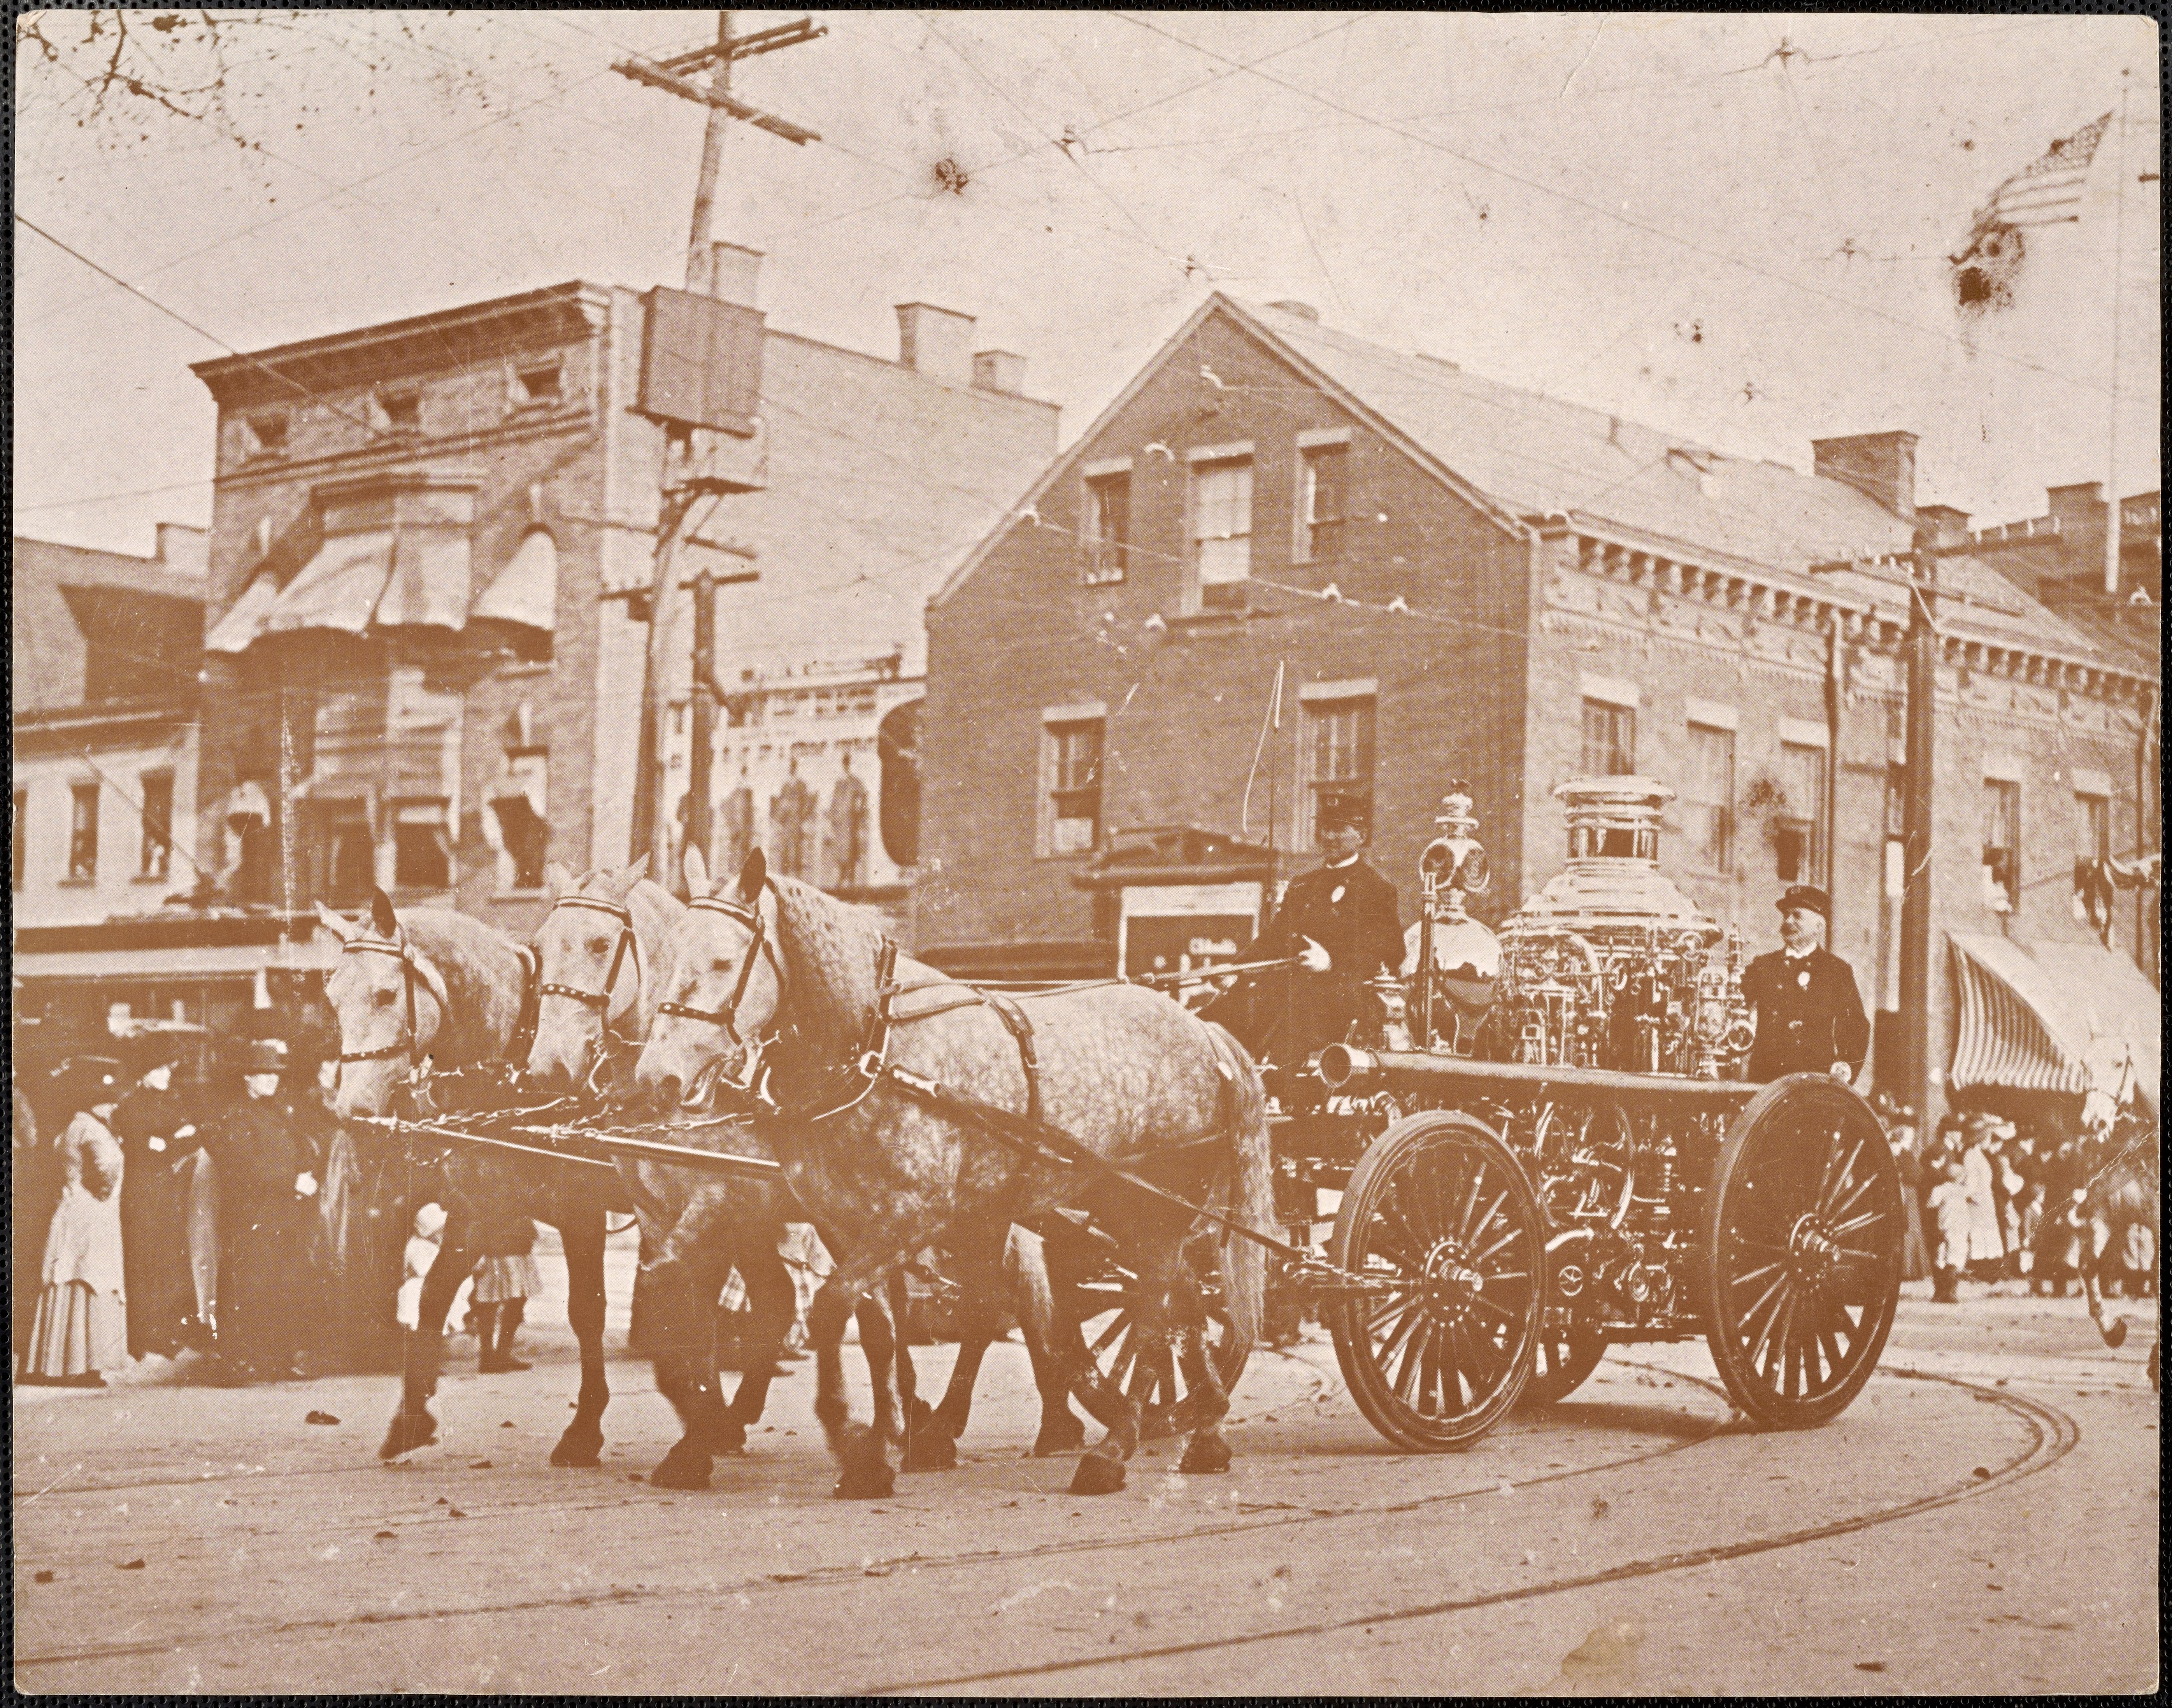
(2038, 1021)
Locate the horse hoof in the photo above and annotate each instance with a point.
(2116, 1336)
(1205, 1456)
(580, 1448)
(1061, 1433)
(873, 1482)
(728, 1438)
(688, 1470)
(407, 1431)
(1098, 1474)
(930, 1450)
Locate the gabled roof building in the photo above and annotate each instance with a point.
(1289, 564)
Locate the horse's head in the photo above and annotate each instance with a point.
(723, 987)
(591, 973)
(390, 1003)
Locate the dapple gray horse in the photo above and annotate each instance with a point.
(431, 985)
(770, 973)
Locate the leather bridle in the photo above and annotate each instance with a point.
(727, 1016)
(404, 952)
(600, 1000)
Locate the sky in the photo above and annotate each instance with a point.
(1732, 227)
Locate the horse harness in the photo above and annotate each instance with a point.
(599, 999)
(727, 1016)
(411, 971)
(1027, 1133)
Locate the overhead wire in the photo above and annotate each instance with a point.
(1625, 220)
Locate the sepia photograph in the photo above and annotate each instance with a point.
(1132, 853)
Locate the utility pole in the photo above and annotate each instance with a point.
(1915, 832)
(2113, 518)
(675, 76)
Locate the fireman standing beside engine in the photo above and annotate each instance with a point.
(1809, 1011)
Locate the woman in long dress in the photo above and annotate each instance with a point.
(82, 1325)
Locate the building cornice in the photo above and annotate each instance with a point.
(392, 460)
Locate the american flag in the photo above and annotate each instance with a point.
(2048, 190)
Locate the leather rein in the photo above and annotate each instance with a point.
(727, 1016)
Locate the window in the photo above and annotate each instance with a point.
(1321, 485)
(1338, 757)
(541, 382)
(1896, 830)
(402, 406)
(2092, 827)
(82, 835)
(422, 847)
(157, 851)
(526, 837)
(1070, 769)
(1708, 797)
(1609, 739)
(266, 434)
(16, 850)
(1799, 827)
(343, 851)
(1222, 531)
(1107, 534)
(2002, 844)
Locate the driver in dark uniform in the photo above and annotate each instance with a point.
(1809, 1012)
(1343, 924)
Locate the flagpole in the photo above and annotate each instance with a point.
(2118, 269)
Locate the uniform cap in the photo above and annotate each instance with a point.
(1805, 895)
(264, 1055)
(1342, 812)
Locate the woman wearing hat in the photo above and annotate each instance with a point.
(267, 1177)
(82, 1326)
(1809, 1012)
(156, 1135)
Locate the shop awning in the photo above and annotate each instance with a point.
(526, 590)
(2033, 1019)
(178, 965)
(380, 577)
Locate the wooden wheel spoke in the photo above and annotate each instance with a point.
(1749, 1276)
(1412, 1360)
(1770, 1345)
(1765, 1303)
(1496, 1306)
(1395, 1302)
(1869, 1218)
(1115, 1332)
(1399, 1336)
(1461, 1224)
(1842, 1207)
(1827, 1192)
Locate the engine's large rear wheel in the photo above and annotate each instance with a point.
(1439, 1215)
(1803, 1238)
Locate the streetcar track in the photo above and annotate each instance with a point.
(2052, 1435)
(818, 1577)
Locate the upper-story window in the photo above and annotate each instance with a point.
(1222, 530)
(540, 382)
(1071, 754)
(2002, 844)
(421, 846)
(402, 407)
(264, 434)
(1338, 749)
(1105, 535)
(1322, 493)
(1609, 739)
(2092, 826)
(83, 835)
(1708, 797)
(17, 849)
(1800, 834)
(156, 857)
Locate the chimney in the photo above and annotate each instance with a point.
(1879, 465)
(1949, 526)
(935, 342)
(184, 550)
(1303, 311)
(734, 273)
(2079, 509)
(999, 370)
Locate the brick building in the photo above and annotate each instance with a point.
(1457, 579)
(434, 545)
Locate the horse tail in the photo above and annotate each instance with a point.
(1244, 1264)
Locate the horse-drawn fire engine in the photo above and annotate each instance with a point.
(1542, 1145)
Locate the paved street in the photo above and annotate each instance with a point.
(1984, 1518)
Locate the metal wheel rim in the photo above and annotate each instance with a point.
(1436, 1362)
(1804, 1246)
